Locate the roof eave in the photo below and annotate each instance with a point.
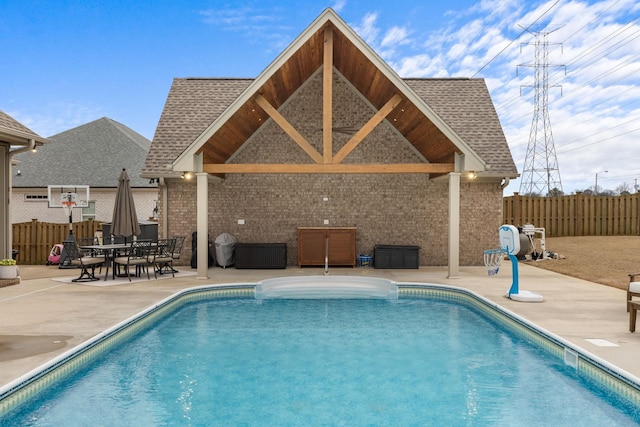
(18, 137)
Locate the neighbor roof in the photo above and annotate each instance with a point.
(93, 154)
(15, 133)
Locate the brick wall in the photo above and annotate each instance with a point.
(386, 209)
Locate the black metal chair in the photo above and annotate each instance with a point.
(88, 264)
(177, 250)
(163, 257)
(88, 241)
(139, 256)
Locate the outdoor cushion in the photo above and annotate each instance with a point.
(87, 260)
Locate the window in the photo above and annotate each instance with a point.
(36, 197)
(89, 212)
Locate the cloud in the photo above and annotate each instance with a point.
(593, 86)
(367, 29)
(57, 117)
(255, 25)
(338, 5)
(236, 19)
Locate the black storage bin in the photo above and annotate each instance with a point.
(396, 256)
(261, 255)
(148, 231)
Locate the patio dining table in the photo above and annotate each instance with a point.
(110, 251)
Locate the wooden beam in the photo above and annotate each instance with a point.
(367, 128)
(288, 129)
(327, 96)
(320, 168)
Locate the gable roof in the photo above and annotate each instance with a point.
(92, 154)
(15, 133)
(194, 103)
(328, 44)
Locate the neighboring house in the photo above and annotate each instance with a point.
(329, 134)
(15, 138)
(93, 154)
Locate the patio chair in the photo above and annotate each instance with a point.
(163, 257)
(138, 256)
(88, 241)
(177, 249)
(633, 288)
(88, 264)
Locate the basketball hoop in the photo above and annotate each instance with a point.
(492, 259)
(68, 202)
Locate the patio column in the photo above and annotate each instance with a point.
(5, 194)
(202, 217)
(454, 225)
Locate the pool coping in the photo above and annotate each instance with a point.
(622, 383)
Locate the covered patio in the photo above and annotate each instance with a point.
(327, 109)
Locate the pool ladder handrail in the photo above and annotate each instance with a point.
(326, 255)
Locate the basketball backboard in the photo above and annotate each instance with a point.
(58, 193)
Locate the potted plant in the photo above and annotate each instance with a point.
(8, 269)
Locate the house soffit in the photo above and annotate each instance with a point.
(328, 44)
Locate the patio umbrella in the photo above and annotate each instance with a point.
(125, 220)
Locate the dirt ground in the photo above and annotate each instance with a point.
(606, 260)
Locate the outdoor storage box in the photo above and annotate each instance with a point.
(261, 255)
(396, 256)
(148, 231)
(337, 244)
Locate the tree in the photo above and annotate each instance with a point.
(555, 192)
(623, 189)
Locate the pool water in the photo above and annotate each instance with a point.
(326, 362)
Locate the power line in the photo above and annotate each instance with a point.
(514, 40)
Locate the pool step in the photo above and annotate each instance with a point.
(347, 287)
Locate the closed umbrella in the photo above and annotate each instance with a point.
(125, 220)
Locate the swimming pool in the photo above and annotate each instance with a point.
(386, 380)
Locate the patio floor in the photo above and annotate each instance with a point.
(42, 317)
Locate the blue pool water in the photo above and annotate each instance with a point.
(326, 362)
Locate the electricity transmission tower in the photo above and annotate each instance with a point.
(541, 174)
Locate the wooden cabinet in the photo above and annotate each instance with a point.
(312, 243)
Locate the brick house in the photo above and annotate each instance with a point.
(329, 135)
(91, 154)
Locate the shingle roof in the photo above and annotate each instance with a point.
(191, 106)
(465, 104)
(93, 154)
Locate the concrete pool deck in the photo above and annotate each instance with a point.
(41, 317)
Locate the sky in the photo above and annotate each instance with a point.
(69, 62)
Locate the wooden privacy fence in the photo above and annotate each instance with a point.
(576, 215)
(35, 239)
